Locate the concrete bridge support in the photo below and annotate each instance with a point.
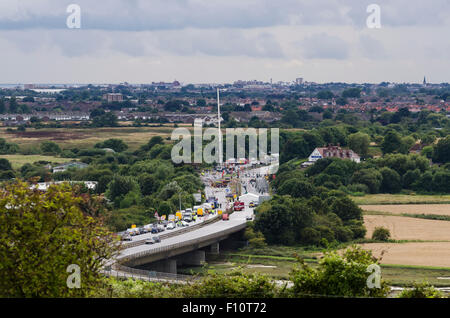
(165, 266)
(195, 258)
(215, 248)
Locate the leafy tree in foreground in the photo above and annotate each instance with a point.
(234, 285)
(336, 275)
(42, 234)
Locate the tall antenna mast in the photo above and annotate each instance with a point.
(220, 131)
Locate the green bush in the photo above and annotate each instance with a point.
(381, 234)
(422, 290)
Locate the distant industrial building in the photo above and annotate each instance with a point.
(299, 80)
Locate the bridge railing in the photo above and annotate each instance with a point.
(121, 271)
(210, 220)
(175, 246)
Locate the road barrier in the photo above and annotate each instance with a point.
(183, 244)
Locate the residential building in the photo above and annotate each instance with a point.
(333, 152)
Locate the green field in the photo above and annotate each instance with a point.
(400, 199)
(18, 161)
(280, 267)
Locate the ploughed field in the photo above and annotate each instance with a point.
(408, 228)
(83, 138)
(418, 239)
(440, 209)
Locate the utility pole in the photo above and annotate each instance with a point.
(220, 131)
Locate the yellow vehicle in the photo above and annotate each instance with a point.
(219, 212)
(200, 211)
(179, 215)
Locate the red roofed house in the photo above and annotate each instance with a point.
(333, 152)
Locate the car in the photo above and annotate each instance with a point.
(142, 230)
(170, 226)
(133, 231)
(187, 217)
(155, 230)
(184, 223)
(161, 228)
(125, 237)
(153, 240)
(249, 218)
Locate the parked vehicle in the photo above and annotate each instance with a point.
(184, 223)
(238, 206)
(155, 229)
(153, 240)
(142, 230)
(187, 217)
(170, 226)
(133, 231)
(253, 204)
(148, 227)
(249, 218)
(225, 217)
(124, 236)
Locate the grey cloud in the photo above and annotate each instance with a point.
(371, 47)
(324, 46)
(187, 42)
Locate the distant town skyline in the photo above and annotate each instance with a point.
(222, 41)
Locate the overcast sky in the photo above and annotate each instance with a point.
(202, 41)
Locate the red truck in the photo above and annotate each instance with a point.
(238, 206)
